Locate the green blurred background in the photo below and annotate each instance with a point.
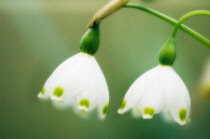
(37, 35)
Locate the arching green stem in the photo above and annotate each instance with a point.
(170, 20)
(186, 16)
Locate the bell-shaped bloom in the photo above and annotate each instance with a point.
(78, 82)
(158, 89)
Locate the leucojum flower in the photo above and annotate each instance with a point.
(159, 89)
(79, 81)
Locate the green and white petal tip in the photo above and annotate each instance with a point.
(136, 113)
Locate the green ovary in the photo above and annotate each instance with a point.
(182, 114)
(149, 111)
(84, 103)
(58, 91)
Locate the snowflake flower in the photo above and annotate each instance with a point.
(79, 81)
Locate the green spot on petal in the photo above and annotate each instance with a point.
(182, 114)
(42, 91)
(84, 103)
(58, 91)
(149, 111)
(123, 105)
(105, 108)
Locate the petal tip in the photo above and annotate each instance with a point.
(54, 98)
(147, 116)
(136, 113)
(84, 103)
(120, 111)
(182, 122)
(41, 93)
(123, 105)
(58, 91)
(182, 114)
(42, 96)
(148, 113)
(102, 117)
(105, 109)
(83, 108)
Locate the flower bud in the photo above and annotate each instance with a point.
(168, 53)
(90, 41)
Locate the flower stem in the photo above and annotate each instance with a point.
(107, 10)
(170, 20)
(186, 16)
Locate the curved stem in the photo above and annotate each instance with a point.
(170, 20)
(108, 9)
(186, 16)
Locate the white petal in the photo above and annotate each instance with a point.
(81, 113)
(136, 113)
(95, 92)
(153, 100)
(63, 104)
(70, 76)
(87, 97)
(177, 96)
(165, 114)
(102, 91)
(136, 91)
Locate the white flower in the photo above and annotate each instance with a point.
(78, 82)
(158, 89)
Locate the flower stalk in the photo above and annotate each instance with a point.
(115, 5)
(170, 20)
(168, 52)
(107, 10)
(185, 17)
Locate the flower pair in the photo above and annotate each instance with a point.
(79, 82)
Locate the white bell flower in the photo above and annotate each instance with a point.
(158, 89)
(78, 82)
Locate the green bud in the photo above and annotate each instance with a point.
(168, 53)
(90, 41)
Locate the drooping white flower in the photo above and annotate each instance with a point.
(158, 89)
(78, 82)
